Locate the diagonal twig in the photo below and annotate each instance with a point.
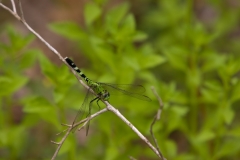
(14, 6)
(21, 10)
(156, 118)
(72, 127)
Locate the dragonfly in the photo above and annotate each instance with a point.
(102, 91)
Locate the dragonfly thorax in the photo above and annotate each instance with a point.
(104, 95)
(99, 90)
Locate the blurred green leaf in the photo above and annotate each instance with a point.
(149, 61)
(186, 156)
(213, 61)
(69, 30)
(29, 58)
(112, 152)
(128, 25)
(140, 36)
(204, 136)
(17, 41)
(37, 105)
(228, 114)
(228, 148)
(171, 148)
(10, 84)
(114, 17)
(212, 91)
(91, 12)
(235, 132)
(68, 145)
(235, 95)
(42, 107)
(175, 115)
(180, 110)
(177, 58)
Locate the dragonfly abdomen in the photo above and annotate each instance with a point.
(73, 65)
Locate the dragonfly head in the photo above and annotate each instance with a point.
(105, 95)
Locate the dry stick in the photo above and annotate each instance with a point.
(59, 144)
(14, 7)
(117, 113)
(21, 11)
(109, 107)
(156, 117)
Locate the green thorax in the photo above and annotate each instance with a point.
(98, 89)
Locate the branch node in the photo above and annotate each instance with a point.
(57, 143)
(67, 125)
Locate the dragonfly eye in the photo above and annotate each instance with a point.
(106, 95)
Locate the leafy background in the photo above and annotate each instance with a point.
(188, 50)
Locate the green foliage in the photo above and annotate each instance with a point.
(193, 63)
(27, 99)
(205, 70)
(110, 39)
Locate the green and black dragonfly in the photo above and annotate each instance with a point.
(102, 91)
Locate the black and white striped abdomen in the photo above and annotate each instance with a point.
(73, 66)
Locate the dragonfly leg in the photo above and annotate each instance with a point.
(98, 105)
(89, 113)
(90, 106)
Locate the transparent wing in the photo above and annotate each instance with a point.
(127, 89)
(82, 109)
(81, 112)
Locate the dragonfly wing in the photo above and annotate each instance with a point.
(135, 90)
(82, 109)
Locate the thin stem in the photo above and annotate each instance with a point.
(21, 10)
(156, 118)
(14, 6)
(72, 127)
(117, 113)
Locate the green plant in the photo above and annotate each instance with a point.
(192, 62)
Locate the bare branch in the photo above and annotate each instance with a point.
(61, 132)
(158, 97)
(156, 117)
(72, 127)
(55, 143)
(117, 113)
(14, 6)
(9, 10)
(67, 125)
(21, 10)
(60, 143)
